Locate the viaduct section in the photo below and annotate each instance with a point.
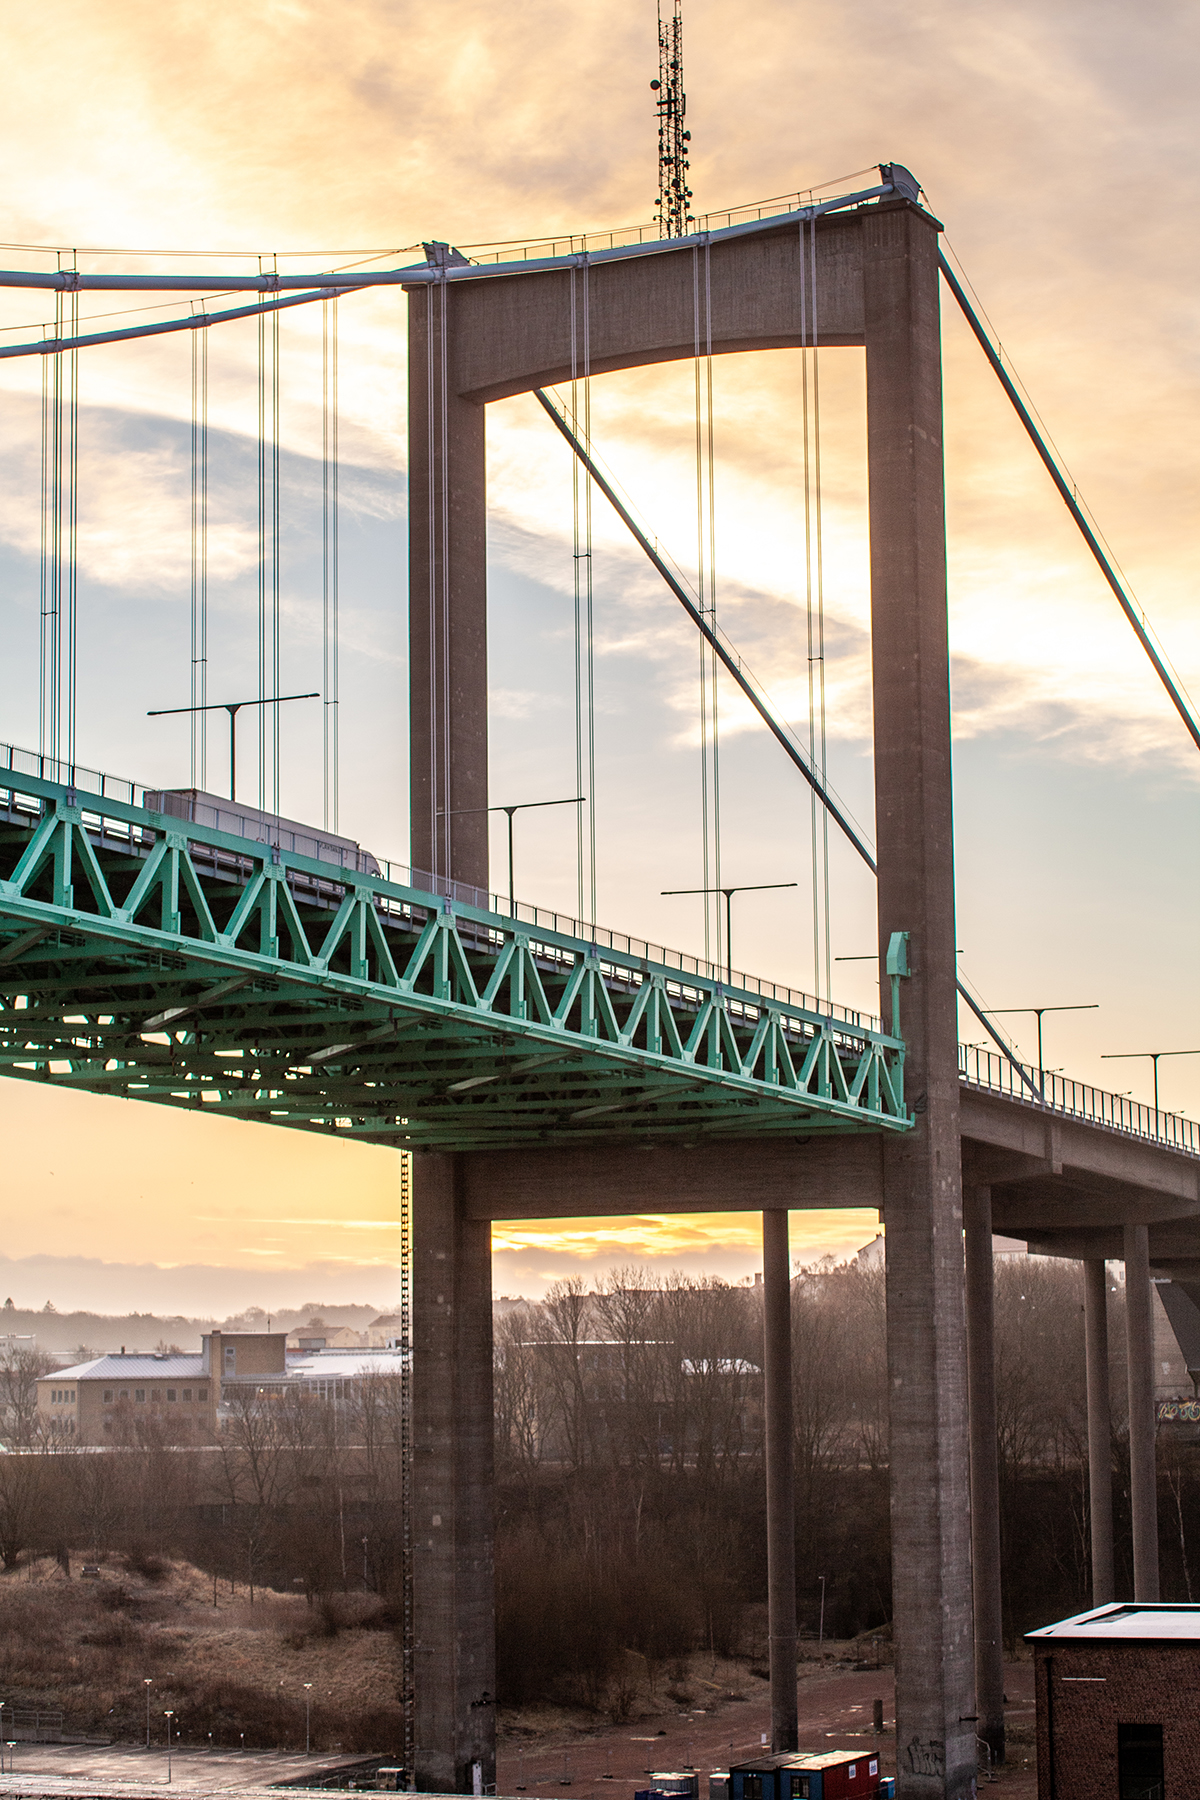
(872, 281)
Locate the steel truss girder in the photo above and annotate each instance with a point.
(360, 1006)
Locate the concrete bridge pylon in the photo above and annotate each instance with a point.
(477, 339)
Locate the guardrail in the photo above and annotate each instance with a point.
(1048, 1090)
(84, 781)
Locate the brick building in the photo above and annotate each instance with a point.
(1117, 1711)
(169, 1399)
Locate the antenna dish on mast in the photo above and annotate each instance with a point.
(674, 194)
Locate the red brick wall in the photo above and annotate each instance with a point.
(1138, 1684)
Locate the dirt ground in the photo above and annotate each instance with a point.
(544, 1755)
(242, 1672)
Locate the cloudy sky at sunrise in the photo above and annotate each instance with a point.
(1056, 144)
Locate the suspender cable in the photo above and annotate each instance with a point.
(199, 648)
(733, 666)
(47, 710)
(585, 660)
(1124, 597)
(815, 607)
(710, 730)
(263, 690)
(72, 534)
(329, 565)
(275, 560)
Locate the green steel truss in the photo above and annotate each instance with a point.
(163, 961)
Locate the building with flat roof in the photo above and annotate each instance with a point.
(167, 1399)
(1115, 1702)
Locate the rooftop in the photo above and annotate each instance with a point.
(132, 1368)
(1124, 1623)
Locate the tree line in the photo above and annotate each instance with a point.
(630, 1526)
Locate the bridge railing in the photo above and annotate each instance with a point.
(1076, 1099)
(84, 781)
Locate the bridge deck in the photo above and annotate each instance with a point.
(163, 960)
(170, 962)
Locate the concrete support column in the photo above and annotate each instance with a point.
(453, 1578)
(1099, 1418)
(930, 1474)
(985, 1470)
(1139, 1351)
(447, 561)
(781, 1482)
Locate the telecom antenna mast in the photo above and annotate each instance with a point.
(674, 194)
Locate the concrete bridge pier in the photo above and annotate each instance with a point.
(1143, 1475)
(781, 1482)
(985, 1469)
(1099, 1418)
(936, 1753)
(453, 1573)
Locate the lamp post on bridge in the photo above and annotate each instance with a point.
(750, 887)
(457, 812)
(1153, 1056)
(233, 708)
(999, 1011)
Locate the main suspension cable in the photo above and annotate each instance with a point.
(1178, 695)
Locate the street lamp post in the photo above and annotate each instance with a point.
(458, 812)
(147, 1683)
(999, 1011)
(821, 1636)
(233, 708)
(308, 1718)
(1154, 1056)
(168, 1716)
(3, 1704)
(752, 887)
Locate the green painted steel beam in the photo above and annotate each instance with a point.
(138, 954)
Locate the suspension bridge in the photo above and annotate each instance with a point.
(201, 953)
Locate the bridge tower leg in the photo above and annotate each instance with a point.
(447, 598)
(1099, 1420)
(453, 1577)
(922, 1185)
(985, 1469)
(452, 1488)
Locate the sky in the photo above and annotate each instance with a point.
(1055, 144)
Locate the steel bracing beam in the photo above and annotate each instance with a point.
(186, 966)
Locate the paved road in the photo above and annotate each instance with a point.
(127, 1768)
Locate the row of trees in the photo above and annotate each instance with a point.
(629, 1440)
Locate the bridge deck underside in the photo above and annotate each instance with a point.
(198, 970)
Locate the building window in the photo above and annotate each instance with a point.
(852, 1771)
(230, 1358)
(799, 1787)
(873, 1768)
(187, 1393)
(72, 1396)
(108, 1394)
(1140, 1762)
(752, 1787)
(124, 1394)
(170, 1393)
(202, 1393)
(139, 1394)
